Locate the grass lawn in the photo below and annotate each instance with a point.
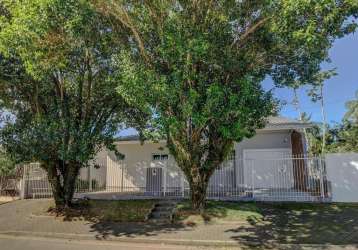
(283, 223)
(107, 211)
(218, 212)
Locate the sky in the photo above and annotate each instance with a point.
(337, 90)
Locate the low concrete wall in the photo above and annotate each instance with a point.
(342, 172)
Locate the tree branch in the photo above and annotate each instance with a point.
(239, 42)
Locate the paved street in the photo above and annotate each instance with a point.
(23, 225)
(22, 243)
(25, 216)
(30, 243)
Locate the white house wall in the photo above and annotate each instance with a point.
(138, 158)
(98, 174)
(262, 140)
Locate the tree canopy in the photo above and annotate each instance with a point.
(347, 132)
(72, 72)
(199, 66)
(58, 70)
(7, 166)
(341, 137)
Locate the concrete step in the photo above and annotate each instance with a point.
(162, 208)
(162, 212)
(165, 204)
(160, 221)
(160, 215)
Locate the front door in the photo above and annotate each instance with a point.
(154, 181)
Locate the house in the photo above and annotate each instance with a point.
(271, 165)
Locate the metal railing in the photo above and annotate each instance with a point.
(299, 179)
(10, 183)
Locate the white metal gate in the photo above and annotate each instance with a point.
(297, 179)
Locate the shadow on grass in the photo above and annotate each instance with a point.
(217, 212)
(249, 224)
(300, 224)
(116, 218)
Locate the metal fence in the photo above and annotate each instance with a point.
(298, 179)
(10, 183)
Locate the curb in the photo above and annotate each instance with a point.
(6, 202)
(89, 237)
(141, 240)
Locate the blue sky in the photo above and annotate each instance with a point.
(338, 90)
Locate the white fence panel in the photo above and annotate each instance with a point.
(288, 179)
(274, 179)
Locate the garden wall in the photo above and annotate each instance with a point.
(342, 173)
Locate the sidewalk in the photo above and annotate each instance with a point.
(21, 218)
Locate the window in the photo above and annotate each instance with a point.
(158, 157)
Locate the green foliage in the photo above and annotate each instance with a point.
(199, 66)
(7, 166)
(57, 78)
(352, 110)
(342, 137)
(347, 133)
(316, 91)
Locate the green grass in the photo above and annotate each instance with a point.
(284, 223)
(218, 212)
(312, 223)
(108, 211)
(121, 211)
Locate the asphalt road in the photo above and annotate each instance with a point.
(29, 243)
(34, 243)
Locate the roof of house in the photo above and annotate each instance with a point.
(274, 123)
(128, 138)
(282, 123)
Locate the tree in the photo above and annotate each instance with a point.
(200, 64)
(7, 166)
(302, 116)
(316, 94)
(315, 135)
(57, 83)
(352, 110)
(342, 137)
(347, 133)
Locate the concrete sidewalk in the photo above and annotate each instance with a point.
(23, 219)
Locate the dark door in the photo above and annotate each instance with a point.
(154, 181)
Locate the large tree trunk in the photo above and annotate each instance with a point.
(70, 183)
(198, 161)
(198, 189)
(57, 189)
(198, 177)
(63, 183)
